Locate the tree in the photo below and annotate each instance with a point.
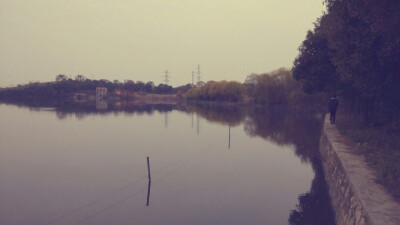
(80, 77)
(313, 67)
(276, 87)
(355, 48)
(230, 91)
(250, 82)
(163, 89)
(61, 77)
(148, 87)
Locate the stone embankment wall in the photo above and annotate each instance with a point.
(356, 198)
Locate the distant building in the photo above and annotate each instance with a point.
(80, 97)
(101, 92)
(101, 104)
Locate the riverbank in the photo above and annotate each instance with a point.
(379, 144)
(355, 195)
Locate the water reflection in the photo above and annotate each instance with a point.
(283, 126)
(80, 111)
(302, 129)
(148, 193)
(225, 115)
(312, 208)
(229, 136)
(149, 184)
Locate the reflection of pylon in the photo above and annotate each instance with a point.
(166, 80)
(229, 141)
(198, 125)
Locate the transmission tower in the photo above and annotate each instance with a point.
(192, 77)
(166, 77)
(198, 73)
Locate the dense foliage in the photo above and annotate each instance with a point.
(275, 88)
(278, 88)
(271, 88)
(230, 91)
(354, 51)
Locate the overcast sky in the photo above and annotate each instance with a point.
(139, 39)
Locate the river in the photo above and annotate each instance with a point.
(82, 164)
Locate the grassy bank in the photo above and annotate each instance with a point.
(379, 145)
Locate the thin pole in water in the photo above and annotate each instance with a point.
(148, 193)
(229, 145)
(149, 185)
(148, 167)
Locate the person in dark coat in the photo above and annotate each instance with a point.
(332, 106)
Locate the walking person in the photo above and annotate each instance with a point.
(332, 106)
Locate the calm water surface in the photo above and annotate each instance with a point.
(209, 165)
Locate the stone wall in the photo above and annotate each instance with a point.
(356, 198)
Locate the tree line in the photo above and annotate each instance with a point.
(64, 88)
(127, 85)
(274, 88)
(230, 91)
(354, 51)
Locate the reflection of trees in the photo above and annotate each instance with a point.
(80, 115)
(61, 115)
(279, 125)
(314, 206)
(80, 111)
(283, 127)
(225, 115)
(303, 130)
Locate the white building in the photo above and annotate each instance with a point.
(101, 92)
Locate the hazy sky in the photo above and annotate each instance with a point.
(139, 39)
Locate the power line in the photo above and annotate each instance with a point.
(180, 165)
(94, 201)
(183, 160)
(109, 207)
